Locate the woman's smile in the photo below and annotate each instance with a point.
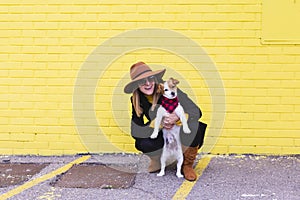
(147, 88)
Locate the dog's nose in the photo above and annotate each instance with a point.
(173, 93)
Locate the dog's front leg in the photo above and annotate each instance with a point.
(159, 116)
(180, 112)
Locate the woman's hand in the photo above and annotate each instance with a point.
(170, 120)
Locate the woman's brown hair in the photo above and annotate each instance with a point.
(136, 100)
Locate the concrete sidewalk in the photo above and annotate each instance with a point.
(223, 177)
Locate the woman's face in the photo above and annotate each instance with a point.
(147, 85)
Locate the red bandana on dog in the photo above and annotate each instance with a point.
(169, 104)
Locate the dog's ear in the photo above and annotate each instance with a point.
(160, 88)
(170, 83)
(175, 81)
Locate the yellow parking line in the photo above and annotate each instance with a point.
(43, 178)
(187, 186)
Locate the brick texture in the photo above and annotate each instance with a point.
(44, 44)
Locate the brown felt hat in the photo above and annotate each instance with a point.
(138, 71)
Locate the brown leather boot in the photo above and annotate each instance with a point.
(154, 165)
(189, 154)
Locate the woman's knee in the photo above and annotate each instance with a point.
(148, 145)
(200, 134)
(196, 139)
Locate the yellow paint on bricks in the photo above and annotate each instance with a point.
(36, 145)
(130, 148)
(4, 136)
(290, 150)
(232, 141)
(11, 144)
(43, 178)
(288, 142)
(47, 137)
(6, 151)
(254, 141)
(23, 151)
(235, 133)
(218, 149)
(271, 150)
(40, 64)
(49, 152)
(241, 149)
(120, 138)
(297, 142)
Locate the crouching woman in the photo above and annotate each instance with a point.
(143, 87)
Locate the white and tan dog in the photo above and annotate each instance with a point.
(172, 144)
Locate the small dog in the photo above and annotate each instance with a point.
(172, 144)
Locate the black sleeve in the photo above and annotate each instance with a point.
(140, 129)
(192, 110)
(189, 106)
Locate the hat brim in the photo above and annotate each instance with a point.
(130, 87)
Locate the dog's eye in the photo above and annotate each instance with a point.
(166, 89)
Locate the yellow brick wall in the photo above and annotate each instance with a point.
(44, 45)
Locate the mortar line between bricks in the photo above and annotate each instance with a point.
(186, 187)
(43, 178)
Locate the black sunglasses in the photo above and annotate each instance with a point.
(143, 81)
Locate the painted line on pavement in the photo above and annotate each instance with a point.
(187, 186)
(43, 178)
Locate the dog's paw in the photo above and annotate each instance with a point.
(154, 135)
(179, 175)
(186, 130)
(161, 174)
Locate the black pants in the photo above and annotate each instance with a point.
(154, 146)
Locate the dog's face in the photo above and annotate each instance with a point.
(170, 88)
